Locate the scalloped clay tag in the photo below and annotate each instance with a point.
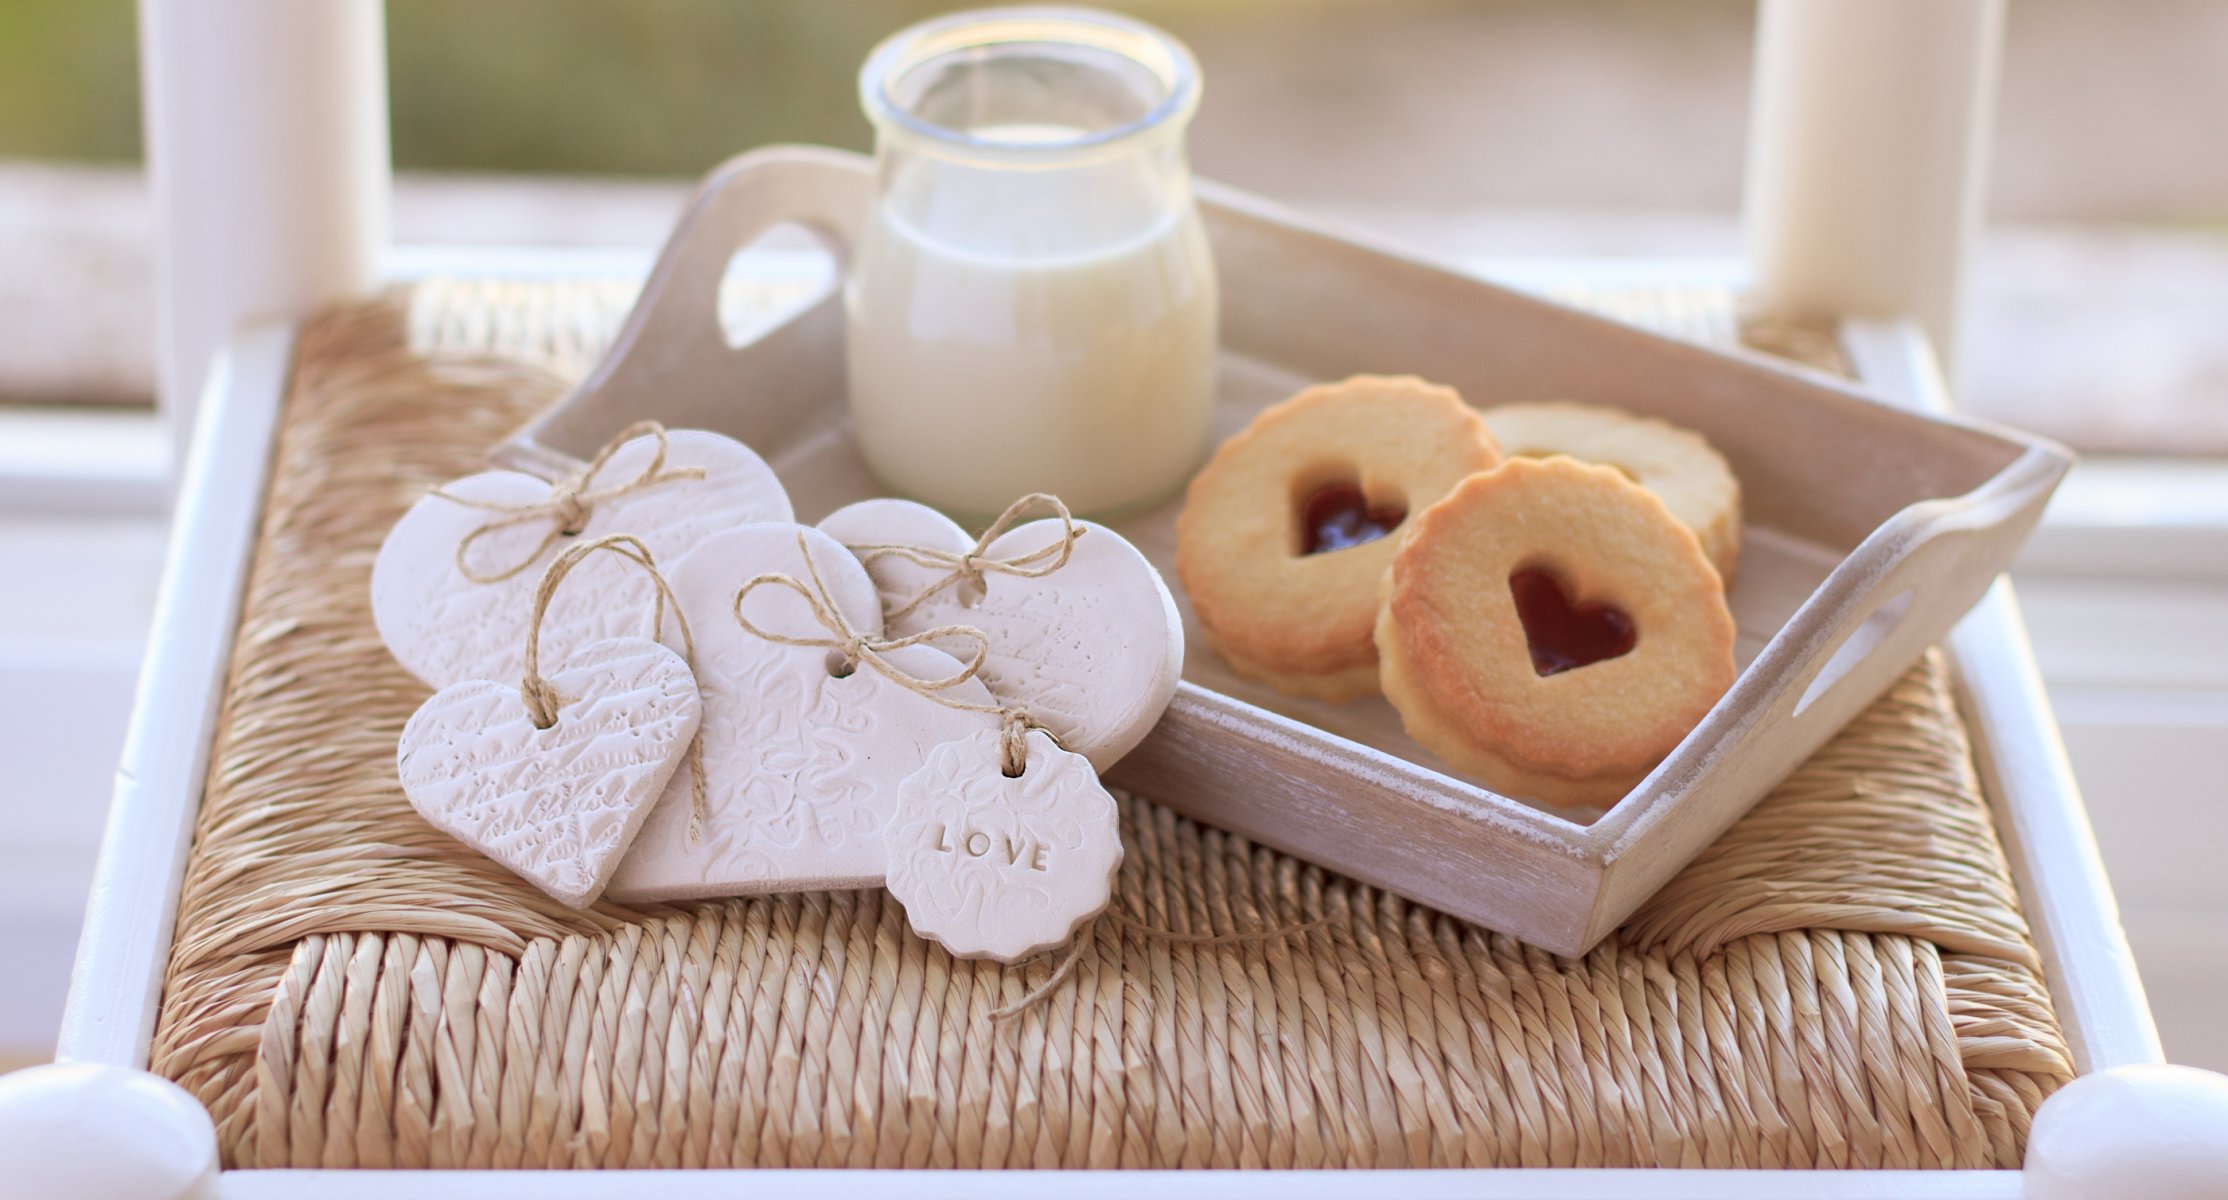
(802, 765)
(445, 627)
(558, 806)
(998, 867)
(1092, 649)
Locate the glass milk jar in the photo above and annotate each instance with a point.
(1032, 306)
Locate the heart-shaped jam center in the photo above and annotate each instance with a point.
(1563, 635)
(1338, 516)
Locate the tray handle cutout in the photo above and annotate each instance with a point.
(1905, 586)
(673, 359)
(1860, 642)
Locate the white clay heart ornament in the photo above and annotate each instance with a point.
(1091, 648)
(992, 866)
(558, 805)
(446, 627)
(802, 761)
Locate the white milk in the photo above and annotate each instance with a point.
(1033, 330)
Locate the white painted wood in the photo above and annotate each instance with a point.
(1848, 508)
(115, 985)
(1518, 1184)
(2062, 886)
(74, 607)
(2137, 651)
(80, 462)
(2148, 772)
(2069, 905)
(2157, 1132)
(1867, 151)
(2183, 954)
(2136, 518)
(267, 150)
(87, 1131)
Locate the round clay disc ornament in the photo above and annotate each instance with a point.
(557, 805)
(998, 867)
(802, 759)
(447, 627)
(1091, 648)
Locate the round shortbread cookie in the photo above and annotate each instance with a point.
(1549, 627)
(1286, 533)
(1678, 465)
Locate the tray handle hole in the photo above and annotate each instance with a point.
(775, 276)
(1871, 634)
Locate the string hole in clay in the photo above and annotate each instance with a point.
(1629, 476)
(1335, 513)
(969, 591)
(1563, 634)
(840, 667)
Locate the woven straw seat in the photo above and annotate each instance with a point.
(1844, 980)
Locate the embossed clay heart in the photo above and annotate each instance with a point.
(558, 806)
(801, 764)
(998, 867)
(1563, 634)
(445, 627)
(1092, 649)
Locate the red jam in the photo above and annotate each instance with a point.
(1338, 517)
(1566, 636)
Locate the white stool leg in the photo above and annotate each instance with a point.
(267, 147)
(1867, 149)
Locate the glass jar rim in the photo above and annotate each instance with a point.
(1169, 61)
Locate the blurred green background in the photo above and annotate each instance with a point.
(662, 87)
(1548, 105)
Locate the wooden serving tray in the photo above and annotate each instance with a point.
(1869, 531)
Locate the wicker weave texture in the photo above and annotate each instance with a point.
(1843, 980)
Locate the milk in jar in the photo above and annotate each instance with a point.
(1033, 304)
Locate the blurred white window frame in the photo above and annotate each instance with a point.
(267, 144)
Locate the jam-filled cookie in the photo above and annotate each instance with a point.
(1551, 628)
(1679, 466)
(1285, 535)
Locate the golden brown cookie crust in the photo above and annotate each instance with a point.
(1423, 723)
(1464, 683)
(1289, 618)
(1678, 465)
(1338, 687)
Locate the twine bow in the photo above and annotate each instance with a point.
(571, 501)
(969, 566)
(541, 696)
(859, 649)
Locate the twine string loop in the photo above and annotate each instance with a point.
(541, 696)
